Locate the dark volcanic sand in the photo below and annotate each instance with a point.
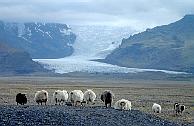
(79, 116)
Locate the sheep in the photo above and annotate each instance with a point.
(21, 99)
(123, 104)
(60, 96)
(107, 97)
(76, 96)
(41, 96)
(179, 108)
(89, 96)
(182, 108)
(156, 108)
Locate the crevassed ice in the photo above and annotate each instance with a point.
(95, 42)
(67, 65)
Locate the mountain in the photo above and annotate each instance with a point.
(14, 61)
(40, 40)
(169, 47)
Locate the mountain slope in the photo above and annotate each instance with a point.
(168, 47)
(14, 61)
(40, 40)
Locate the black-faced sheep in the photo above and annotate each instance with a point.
(156, 108)
(179, 109)
(107, 97)
(89, 96)
(76, 96)
(60, 96)
(41, 97)
(123, 105)
(21, 99)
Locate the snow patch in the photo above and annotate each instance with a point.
(40, 31)
(25, 39)
(48, 33)
(21, 29)
(65, 31)
(29, 32)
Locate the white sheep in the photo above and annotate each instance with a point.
(41, 96)
(156, 108)
(123, 104)
(76, 96)
(60, 96)
(89, 96)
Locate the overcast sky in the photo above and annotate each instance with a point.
(135, 13)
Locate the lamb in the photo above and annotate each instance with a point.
(21, 99)
(179, 108)
(107, 97)
(76, 96)
(41, 97)
(123, 104)
(156, 108)
(89, 96)
(60, 96)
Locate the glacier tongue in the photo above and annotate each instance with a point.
(94, 42)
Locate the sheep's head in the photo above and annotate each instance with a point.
(122, 104)
(182, 107)
(177, 105)
(71, 96)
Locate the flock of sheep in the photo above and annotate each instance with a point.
(78, 98)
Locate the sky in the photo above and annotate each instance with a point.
(138, 14)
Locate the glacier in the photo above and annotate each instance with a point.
(94, 42)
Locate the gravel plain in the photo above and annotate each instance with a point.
(76, 116)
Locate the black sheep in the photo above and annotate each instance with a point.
(107, 98)
(21, 99)
(179, 108)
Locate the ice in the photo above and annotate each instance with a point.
(91, 41)
(79, 64)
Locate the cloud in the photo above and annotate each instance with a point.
(139, 14)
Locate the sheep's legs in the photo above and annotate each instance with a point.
(76, 103)
(55, 101)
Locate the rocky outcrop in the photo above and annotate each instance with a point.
(15, 61)
(169, 47)
(40, 40)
